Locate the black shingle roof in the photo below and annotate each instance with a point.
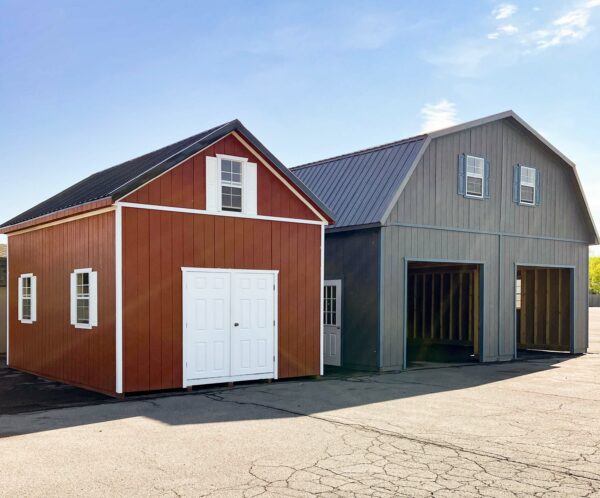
(358, 187)
(119, 180)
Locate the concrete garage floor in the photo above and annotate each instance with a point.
(529, 428)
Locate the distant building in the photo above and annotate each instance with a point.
(3, 251)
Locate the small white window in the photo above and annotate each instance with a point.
(518, 293)
(527, 186)
(84, 298)
(231, 185)
(27, 298)
(474, 176)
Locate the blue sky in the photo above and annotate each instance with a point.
(86, 85)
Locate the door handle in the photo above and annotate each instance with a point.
(236, 324)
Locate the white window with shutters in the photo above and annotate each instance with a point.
(231, 185)
(27, 290)
(84, 298)
(527, 185)
(474, 176)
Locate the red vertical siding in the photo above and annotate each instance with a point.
(184, 186)
(154, 283)
(52, 347)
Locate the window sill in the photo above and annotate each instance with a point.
(475, 197)
(527, 204)
(85, 326)
(26, 321)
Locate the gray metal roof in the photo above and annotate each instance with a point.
(358, 187)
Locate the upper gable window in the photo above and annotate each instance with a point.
(526, 186)
(473, 177)
(475, 170)
(231, 185)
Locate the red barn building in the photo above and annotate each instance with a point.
(198, 263)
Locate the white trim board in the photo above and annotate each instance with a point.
(227, 214)
(119, 300)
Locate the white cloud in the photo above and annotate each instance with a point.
(505, 10)
(442, 114)
(568, 28)
(508, 29)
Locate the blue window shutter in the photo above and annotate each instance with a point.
(461, 174)
(486, 179)
(516, 183)
(538, 187)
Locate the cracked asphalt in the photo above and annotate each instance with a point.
(527, 428)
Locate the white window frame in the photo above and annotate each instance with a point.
(92, 299)
(242, 161)
(32, 298)
(523, 183)
(474, 175)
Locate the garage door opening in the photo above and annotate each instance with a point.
(444, 317)
(544, 309)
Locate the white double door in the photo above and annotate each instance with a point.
(229, 325)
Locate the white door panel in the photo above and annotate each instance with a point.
(208, 324)
(252, 329)
(332, 322)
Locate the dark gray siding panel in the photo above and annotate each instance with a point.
(359, 187)
(353, 257)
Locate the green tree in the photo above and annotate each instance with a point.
(595, 275)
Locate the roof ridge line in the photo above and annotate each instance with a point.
(211, 132)
(361, 151)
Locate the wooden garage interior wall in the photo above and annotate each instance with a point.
(544, 309)
(157, 244)
(443, 304)
(52, 347)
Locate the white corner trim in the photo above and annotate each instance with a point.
(322, 361)
(118, 300)
(227, 214)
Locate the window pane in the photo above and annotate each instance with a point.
(236, 178)
(225, 176)
(26, 309)
(475, 165)
(26, 287)
(474, 186)
(528, 175)
(236, 167)
(226, 165)
(527, 194)
(83, 311)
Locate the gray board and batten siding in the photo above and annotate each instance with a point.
(406, 192)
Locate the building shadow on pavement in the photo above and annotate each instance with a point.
(29, 404)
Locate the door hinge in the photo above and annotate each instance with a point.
(273, 357)
(273, 286)
(273, 322)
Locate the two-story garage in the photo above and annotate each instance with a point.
(469, 242)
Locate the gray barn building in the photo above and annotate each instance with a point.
(469, 242)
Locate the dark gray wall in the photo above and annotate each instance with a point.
(353, 257)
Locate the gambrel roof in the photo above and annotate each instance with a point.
(362, 187)
(116, 182)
